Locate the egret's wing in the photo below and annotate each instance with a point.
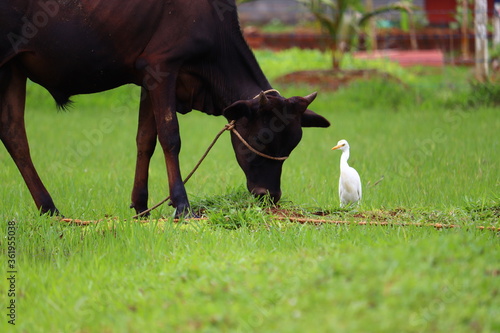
(349, 186)
(359, 190)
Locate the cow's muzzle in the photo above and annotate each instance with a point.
(262, 193)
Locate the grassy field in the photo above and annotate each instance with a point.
(426, 147)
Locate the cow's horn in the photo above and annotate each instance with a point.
(263, 98)
(310, 98)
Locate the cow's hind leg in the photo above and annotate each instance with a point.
(13, 134)
(146, 143)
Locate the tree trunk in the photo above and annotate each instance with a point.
(372, 28)
(413, 35)
(464, 30)
(336, 55)
(480, 21)
(496, 23)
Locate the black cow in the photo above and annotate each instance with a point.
(185, 54)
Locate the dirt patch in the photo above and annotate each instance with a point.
(285, 213)
(333, 79)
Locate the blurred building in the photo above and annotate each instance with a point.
(265, 11)
(438, 13)
(292, 11)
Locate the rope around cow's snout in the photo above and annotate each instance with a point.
(227, 127)
(252, 149)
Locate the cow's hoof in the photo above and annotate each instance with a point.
(184, 213)
(140, 214)
(139, 210)
(51, 212)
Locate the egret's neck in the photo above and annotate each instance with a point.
(343, 159)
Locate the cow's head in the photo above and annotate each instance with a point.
(272, 125)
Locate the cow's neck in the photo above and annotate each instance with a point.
(245, 78)
(229, 74)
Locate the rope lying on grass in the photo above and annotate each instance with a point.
(303, 220)
(228, 127)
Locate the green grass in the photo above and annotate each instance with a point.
(434, 141)
(274, 278)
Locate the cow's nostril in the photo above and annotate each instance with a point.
(261, 192)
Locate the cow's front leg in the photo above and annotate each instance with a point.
(146, 143)
(163, 103)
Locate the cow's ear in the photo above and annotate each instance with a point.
(237, 110)
(312, 119)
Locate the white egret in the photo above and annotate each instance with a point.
(349, 181)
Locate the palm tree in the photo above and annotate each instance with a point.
(344, 20)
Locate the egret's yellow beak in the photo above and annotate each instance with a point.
(337, 147)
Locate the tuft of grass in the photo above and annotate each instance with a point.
(484, 94)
